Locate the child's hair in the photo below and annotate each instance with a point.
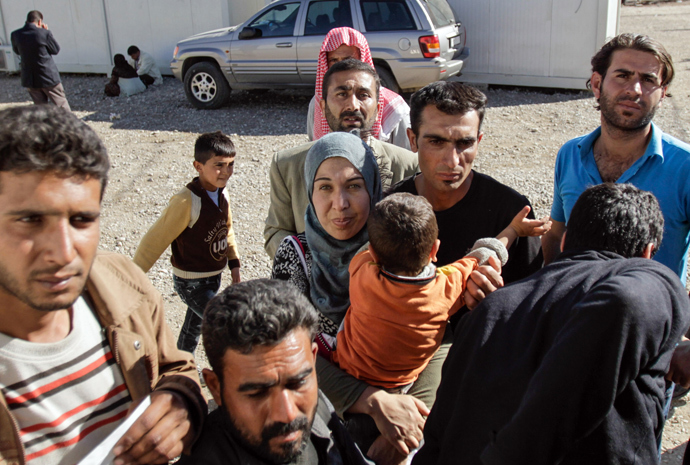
(402, 231)
(213, 144)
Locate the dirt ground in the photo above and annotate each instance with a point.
(150, 140)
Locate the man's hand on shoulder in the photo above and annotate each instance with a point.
(160, 434)
(679, 371)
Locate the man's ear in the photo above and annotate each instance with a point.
(595, 82)
(198, 166)
(648, 251)
(322, 104)
(434, 250)
(413, 139)
(314, 352)
(664, 89)
(563, 240)
(213, 385)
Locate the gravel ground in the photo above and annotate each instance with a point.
(150, 139)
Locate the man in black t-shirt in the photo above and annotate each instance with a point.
(446, 120)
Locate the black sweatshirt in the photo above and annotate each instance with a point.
(566, 366)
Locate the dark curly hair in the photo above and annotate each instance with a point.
(616, 218)
(449, 97)
(48, 138)
(260, 312)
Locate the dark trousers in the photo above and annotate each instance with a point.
(55, 94)
(146, 79)
(195, 293)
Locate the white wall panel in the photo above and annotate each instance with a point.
(542, 43)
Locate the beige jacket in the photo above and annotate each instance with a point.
(182, 212)
(289, 196)
(131, 312)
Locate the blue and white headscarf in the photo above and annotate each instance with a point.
(330, 279)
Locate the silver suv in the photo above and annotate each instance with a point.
(412, 42)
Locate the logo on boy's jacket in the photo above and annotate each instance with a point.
(217, 240)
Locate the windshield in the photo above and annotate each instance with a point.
(440, 12)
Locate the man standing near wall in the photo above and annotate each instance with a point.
(35, 44)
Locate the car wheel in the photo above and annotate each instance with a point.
(206, 87)
(387, 79)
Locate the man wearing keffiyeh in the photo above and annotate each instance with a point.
(393, 117)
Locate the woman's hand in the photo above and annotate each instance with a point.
(399, 418)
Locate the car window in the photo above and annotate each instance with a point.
(439, 12)
(387, 15)
(324, 16)
(278, 21)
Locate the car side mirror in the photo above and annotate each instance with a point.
(250, 33)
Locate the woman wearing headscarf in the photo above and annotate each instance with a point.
(124, 78)
(343, 185)
(393, 117)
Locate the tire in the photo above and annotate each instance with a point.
(206, 87)
(387, 79)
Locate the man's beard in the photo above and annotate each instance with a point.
(336, 123)
(290, 451)
(10, 285)
(620, 122)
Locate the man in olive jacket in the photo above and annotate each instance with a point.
(83, 335)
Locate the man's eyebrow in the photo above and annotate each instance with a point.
(256, 386)
(34, 212)
(343, 87)
(300, 376)
(436, 137)
(465, 140)
(267, 385)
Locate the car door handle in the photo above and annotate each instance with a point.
(284, 44)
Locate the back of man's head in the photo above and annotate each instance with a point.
(616, 218)
(629, 41)
(50, 139)
(402, 231)
(213, 144)
(132, 50)
(449, 97)
(261, 312)
(350, 64)
(34, 16)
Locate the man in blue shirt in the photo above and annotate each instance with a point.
(630, 78)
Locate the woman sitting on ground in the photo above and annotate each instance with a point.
(123, 79)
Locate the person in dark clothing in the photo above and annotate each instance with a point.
(259, 339)
(123, 79)
(446, 119)
(122, 69)
(35, 44)
(567, 366)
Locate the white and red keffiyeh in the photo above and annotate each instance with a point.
(388, 102)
